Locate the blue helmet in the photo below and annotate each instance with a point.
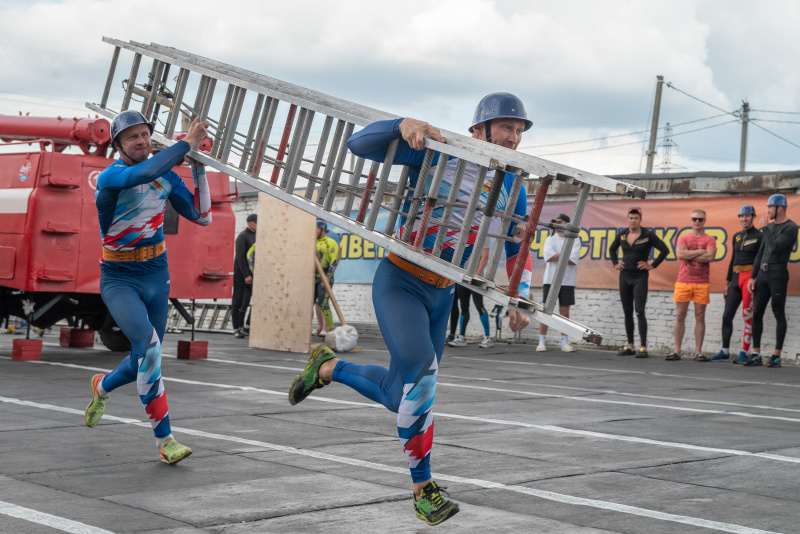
(322, 224)
(125, 120)
(777, 200)
(500, 106)
(747, 209)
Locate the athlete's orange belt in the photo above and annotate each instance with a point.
(742, 268)
(137, 254)
(418, 272)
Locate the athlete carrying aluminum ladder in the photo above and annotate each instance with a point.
(326, 168)
(413, 249)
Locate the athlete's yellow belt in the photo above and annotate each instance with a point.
(137, 254)
(418, 272)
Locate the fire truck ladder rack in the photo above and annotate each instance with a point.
(242, 155)
(208, 316)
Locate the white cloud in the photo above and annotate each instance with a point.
(584, 68)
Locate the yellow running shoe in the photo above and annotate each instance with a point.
(173, 452)
(98, 405)
(432, 507)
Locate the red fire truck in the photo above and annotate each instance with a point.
(50, 245)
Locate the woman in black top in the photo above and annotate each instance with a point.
(637, 243)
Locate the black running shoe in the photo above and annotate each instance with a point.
(642, 353)
(774, 361)
(754, 361)
(626, 351)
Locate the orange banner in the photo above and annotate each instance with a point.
(669, 218)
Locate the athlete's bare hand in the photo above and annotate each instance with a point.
(619, 266)
(645, 266)
(198, 131)
(248, 280)
(517, 321)
(414, 133)
(751, 285)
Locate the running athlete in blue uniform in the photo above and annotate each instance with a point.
(134, 281)
(412, 304)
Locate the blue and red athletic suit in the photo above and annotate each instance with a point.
(412, 314)
(130, 203)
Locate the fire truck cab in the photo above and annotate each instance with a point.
(50, 245)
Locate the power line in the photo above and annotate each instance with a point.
(784, 112)
(776, 135)
(637, 142)
(773, 120)
(620, 135)
(671, 86)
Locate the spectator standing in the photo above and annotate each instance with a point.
(696, 250)
(243, 278)
(553, 246)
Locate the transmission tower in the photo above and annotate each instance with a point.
(667, 144)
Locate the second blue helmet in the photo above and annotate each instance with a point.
(777, 200)
(500, 106)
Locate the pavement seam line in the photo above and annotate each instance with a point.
(542, 494)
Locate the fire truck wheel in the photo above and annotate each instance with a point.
(112, 337)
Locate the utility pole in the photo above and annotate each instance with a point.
(651, 151)
(743, 149)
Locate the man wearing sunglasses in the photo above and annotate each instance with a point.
(744, 247)
(770, 278)
(696, 250)
(634, 271)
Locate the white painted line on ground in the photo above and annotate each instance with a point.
(505, 422)
(581, 399)
(547, 495)
(623, 371)
(628, 403)
(52, 521)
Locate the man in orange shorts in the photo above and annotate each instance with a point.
(696, 250)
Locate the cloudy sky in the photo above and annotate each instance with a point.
(586, 70)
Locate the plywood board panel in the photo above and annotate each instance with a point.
(283, 284)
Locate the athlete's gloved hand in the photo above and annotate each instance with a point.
(517, 321)
(198, 131)
(414, 133)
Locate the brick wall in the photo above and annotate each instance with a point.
(600, 309)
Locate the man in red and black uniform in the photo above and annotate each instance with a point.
(770, 277)
(634, 268)
(744, 247)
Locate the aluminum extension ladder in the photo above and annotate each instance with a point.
(242, 154)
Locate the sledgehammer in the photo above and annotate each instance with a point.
(328, 289)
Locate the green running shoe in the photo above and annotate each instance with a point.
(309, 379)
(98, 405)
(432, 507)
(173, 452)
